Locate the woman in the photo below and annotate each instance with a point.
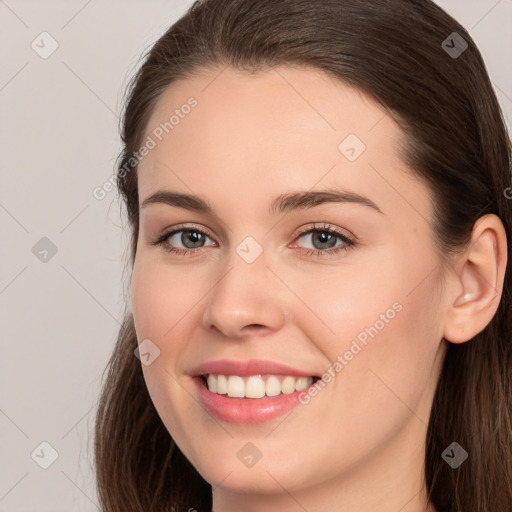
(321, 291)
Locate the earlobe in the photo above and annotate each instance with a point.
(480, 272)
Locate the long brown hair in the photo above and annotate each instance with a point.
(456, 141)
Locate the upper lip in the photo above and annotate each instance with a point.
(247, 368)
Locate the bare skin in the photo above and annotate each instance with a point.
(358, 445)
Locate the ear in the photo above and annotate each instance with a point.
(478, 276)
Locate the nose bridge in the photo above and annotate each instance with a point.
(241, 298)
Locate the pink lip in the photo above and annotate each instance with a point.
(246, 368)
(246, 410)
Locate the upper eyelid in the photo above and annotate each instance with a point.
(325, 227)
(187, 227)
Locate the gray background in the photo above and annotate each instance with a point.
(59, 140)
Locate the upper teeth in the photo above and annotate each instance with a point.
(256, 386)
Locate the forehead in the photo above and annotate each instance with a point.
(273, 131)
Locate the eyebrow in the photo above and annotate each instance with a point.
(283, 203)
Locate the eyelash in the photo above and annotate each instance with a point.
(326, 228)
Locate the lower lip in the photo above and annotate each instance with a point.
(246, 411)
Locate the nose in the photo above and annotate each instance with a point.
(241, 303)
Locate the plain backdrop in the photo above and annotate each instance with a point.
(62, 285)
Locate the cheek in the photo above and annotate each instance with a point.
(348, 306)
(162, 302)
(161, 298)
(377, 328)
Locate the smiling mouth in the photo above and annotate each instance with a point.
(255, 386)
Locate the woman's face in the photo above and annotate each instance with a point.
(359, 299)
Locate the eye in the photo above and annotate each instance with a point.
(191, 238)
(324, 239)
